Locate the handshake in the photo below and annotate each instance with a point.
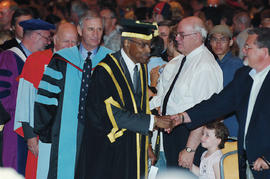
(168, 122)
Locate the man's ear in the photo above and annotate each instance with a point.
(126, 43)
(231, 42)
(79, 29)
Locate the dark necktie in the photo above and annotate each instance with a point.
(164, 106)
(165, 102)
(87, 68)
(136, 78)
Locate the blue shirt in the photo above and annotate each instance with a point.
(154, 62)
(26, 51)
(229, 65)
(84, 52)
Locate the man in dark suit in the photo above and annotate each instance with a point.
(248, 95)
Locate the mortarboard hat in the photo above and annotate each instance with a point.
(136, 29)
(36, 24)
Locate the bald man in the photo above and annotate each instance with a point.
(198, 79)
(66, 36)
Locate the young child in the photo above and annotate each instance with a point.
(213, 138)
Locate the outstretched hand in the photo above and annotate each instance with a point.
(178, 119)
(164, 122)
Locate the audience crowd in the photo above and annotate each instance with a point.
(51, 64)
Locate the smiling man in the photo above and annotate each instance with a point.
(247, 95)
(118, 117)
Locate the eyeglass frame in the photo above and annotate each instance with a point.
(247, 47)
(47, 38)
(182, 35)
(222, 40)
(141, 44)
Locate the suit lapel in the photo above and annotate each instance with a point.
(260, 100)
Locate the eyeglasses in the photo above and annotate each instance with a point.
(222, 40)
(247, 47)
(182, 35)
(141, 44)
(47, 38)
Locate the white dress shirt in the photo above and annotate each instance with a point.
(199, 78)
(258, 79)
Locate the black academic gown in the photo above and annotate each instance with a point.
(117, 123)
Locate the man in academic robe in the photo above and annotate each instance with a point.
(66, 36)
(36, 37)
(57, 118)
(118, 117)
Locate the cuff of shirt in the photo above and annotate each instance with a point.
(152, 122)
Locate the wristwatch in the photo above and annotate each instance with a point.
(189, 150)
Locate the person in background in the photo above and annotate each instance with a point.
(220, 38)
(162, 11)
(21, 14)
(112, 35)
(7, 8)
(241, 24)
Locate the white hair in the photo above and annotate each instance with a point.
(201, 29)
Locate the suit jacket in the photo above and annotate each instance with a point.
(234, 98)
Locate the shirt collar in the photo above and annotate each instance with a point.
(227, 56)
(26, 51)
(262, 74)
(195, 51)
(84, 52)
(130, 64)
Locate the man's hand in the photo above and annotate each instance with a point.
(185, 159)
(178, 119)
(151, 155)
(32, 145)
(260, 165)
(163, 122)
(154, 75)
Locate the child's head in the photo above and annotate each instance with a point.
(214, 134)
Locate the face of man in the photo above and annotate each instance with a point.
(138, 50)
(236, 26)
(157, 17)
(185, 37)
(220, 44)
(5, 13)
(91, 33)
(65, 37)
(164, 34)
(106, 15)
(253, 54)
(42, 39)
(17, 28)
